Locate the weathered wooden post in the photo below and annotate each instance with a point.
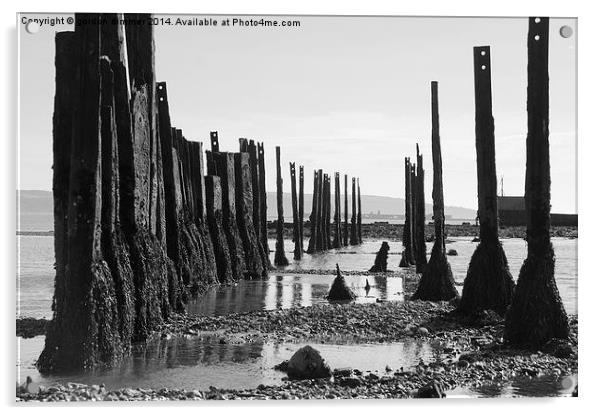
(488, 284)
(244, 207)
(536, 313)
(346, 223)
(419, 214)
(353, 237)
(226, 172)
(85, 303)
(279, 257)
(336, 241)
(437, 282)
(359, 213)
(213, 189)
(327, 240)
(263, 238)
(413, 181)
(209, 271)
(301, 207)
(319, 211)
(313, 217)
(407, 257)
(298, 252)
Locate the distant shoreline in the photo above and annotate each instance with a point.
(393, 232)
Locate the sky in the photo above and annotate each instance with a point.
(347, 94)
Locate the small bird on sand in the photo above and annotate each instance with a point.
(367, 287)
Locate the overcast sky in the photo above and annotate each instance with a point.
(350, 94)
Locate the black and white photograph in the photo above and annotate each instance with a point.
(296, 207)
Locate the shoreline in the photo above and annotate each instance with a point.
(393, 232)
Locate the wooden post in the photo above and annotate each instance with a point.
(413, 201)
(327, 240)
(244, 206)
(346, 223)
(263, 236)
(296, 229)
(359, 213)
(225, 169)
(318, 217)
(437, 282)
(85, 282)
(279, 257)
(488, 284)
(215, 221)
(313, 217)
(353, 237)
(301, 207)
(336, 241)
(419, 214)
(536, 313)
(407, 258)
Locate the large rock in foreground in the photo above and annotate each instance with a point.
(307, 363)
(339, 291)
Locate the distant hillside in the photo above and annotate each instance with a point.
(36, 208)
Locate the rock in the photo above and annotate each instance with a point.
(339, 291)
(342, 372)
(476, 239)
(282, 366)
(423, 331)
(380, 263)
(307, 363)
(432, 390)
(452, 252)
(350, 382)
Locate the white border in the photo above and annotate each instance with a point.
(588, 189)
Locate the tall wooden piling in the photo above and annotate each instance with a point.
(407, 257)
(319, 210)
(311, 248)
(353, 236)
(301, 206)
(215, 222)
(419, 215)
(226, 172)
(359, 213)
(263, 237)
(336, 240)
(255, 266)
(488, 284)
(437, 282)
(536, 313)
(327, 242)
(279, 257)
(298, 252)
(346, 223)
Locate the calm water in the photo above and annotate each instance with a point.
(198, 362)
(36, 270)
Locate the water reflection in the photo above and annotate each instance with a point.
(201, 362)
(286, 291)
(543, 386)
(361, 258)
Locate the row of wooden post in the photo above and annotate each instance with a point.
(139, 227)
(532, 307)
(324, 234)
